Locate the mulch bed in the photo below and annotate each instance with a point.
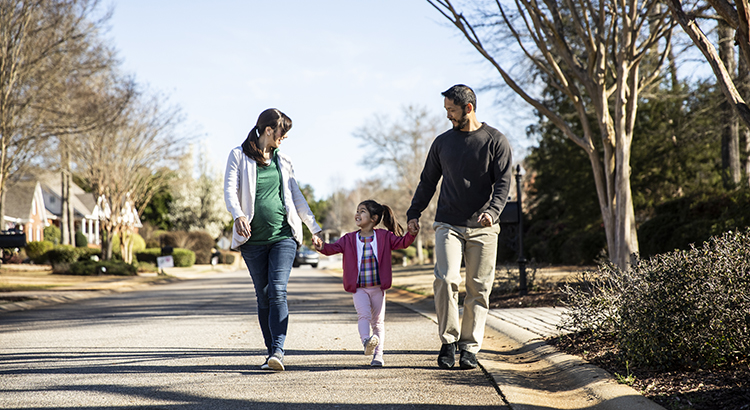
(727, 388)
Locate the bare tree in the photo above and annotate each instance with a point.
(46, 48)
(735, 89)
(400, 148)
(592, 53)
(123, 164)
(738, 19)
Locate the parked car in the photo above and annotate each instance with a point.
(306, 256)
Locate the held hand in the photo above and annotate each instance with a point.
(413, 226)
(317, 242)
(485, 219)
(242, 227)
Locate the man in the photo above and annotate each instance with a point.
(474, 161)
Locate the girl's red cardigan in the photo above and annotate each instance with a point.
(386, 242)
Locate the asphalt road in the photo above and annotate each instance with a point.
(197, 345)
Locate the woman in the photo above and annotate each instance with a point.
(268, 209)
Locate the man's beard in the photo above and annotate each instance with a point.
(461, 122)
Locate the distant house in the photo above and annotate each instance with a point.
(35, 201)
(25, 210)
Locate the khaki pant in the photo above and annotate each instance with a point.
(478, 246)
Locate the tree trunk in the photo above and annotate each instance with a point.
(743, 80)
(730, 142)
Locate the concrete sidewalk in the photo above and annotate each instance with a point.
(529, 374)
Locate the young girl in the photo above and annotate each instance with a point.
(367, 269)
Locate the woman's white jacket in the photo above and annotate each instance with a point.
(240, 180)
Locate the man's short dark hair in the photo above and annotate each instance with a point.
(461, 95)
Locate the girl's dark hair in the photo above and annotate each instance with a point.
(385, 214)
(269, 118)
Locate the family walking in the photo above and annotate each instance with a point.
(472, 162)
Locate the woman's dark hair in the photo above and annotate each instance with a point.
(385, 214)
(269, 118)
(461, 95)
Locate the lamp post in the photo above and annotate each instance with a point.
(521, 260)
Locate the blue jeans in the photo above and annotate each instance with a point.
(270, 266)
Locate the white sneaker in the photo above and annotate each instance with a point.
(265, 366)
(275, 362)
(377, 362)
(370, 344)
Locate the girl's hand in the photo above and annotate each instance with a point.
(242, 227)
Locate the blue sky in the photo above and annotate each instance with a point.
(329, 65)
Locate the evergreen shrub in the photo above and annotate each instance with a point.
(183, 258)
(148, 255)
(63, 254)
(52, 233)
(683, 309)
(37, 250)
(81, 240)
(112, 267)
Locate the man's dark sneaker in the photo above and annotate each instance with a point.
(468, 360)
(447, 355)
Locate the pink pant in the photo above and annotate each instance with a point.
(370, 305)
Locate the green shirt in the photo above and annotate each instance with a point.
(269, 223)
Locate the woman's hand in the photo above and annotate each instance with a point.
(317, 242)
(242, 227)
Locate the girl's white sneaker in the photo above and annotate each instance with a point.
(370, 344)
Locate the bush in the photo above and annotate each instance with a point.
(683, 309)
(138, 244)
(148, 255)
(91, 268)
(183, 258)
(81, 240)
(202, 244)
(52, 234)
(85, 254)
(37, 250)
(63, 254)
(226, 257)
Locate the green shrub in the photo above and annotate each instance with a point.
(87, 253)
(91, 268)
(63, 254)
(138, 245)
(683, 309)
(37, 250)
(148, 255)
(52, 234)
(183, 258)
(81, 240)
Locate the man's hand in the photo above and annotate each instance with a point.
(485, 219)
(413, 226)
(242, 227)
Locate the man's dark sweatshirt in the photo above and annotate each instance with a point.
(476, 169)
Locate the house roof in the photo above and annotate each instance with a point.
(18, 199)
(83, 203)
